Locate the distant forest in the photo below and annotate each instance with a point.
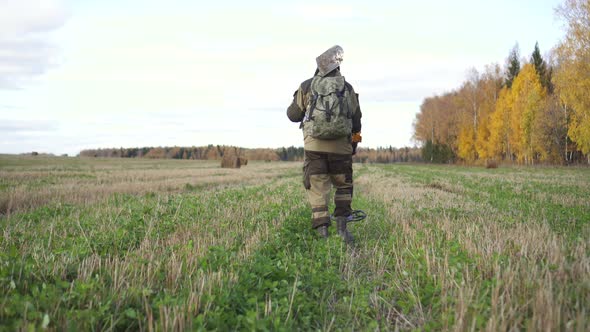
(533, 110)
(217, 152)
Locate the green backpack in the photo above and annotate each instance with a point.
(329, 113)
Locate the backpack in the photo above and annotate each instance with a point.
(329, 113)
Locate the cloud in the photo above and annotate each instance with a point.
(26, 50)
(26, 127)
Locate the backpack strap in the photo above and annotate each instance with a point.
(340, 95)
(314, 100)
(309, 114)
(328, 111)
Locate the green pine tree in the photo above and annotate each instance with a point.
(513, 66)
(541, 68)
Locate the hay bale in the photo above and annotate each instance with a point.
(233, 162)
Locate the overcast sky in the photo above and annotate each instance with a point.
(131, 73)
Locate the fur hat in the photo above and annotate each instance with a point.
(330, 59)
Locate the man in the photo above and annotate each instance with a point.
(330, 116)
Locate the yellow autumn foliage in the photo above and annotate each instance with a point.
(572, 78)
(528, 100)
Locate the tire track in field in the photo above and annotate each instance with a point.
(295, 281)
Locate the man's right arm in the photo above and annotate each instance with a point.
(356, 124)
(356, 117)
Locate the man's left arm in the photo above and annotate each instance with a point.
(294, 112)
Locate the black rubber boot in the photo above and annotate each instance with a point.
(323, 231)
(342, 231)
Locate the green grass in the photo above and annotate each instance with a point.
(443, 248)
(524, 195)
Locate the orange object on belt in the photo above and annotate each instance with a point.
(356, 138)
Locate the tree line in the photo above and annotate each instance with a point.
(209, 152)
(388, 155)
(534, 110)
(217, 152)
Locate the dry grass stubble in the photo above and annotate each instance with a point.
(538, 272)
(170, 264)
(33, 186)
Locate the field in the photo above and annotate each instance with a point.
(133, 244)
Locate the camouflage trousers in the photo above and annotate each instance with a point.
(321, 171)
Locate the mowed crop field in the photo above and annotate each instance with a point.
(133, 244)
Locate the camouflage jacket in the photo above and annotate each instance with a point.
(296, 113)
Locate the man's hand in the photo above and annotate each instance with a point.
(357, 138)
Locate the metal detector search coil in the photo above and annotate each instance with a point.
(356, 215)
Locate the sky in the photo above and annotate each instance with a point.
(89, 74)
